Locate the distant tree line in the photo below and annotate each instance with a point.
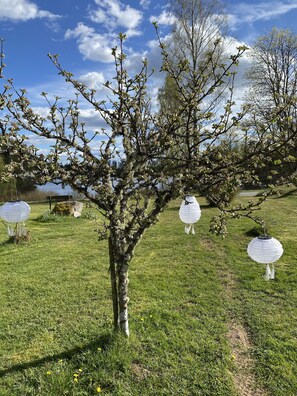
(13, 188)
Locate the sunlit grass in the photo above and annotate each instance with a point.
(56, 320)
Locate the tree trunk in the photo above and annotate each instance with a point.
(123, 298)
(119, 287)
(114, 289)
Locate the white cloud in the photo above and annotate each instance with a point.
(247, 13)
(165, 18)
(113, 14)
(93, 80)
(231, 46)
(39, 141)
(98, 16)
(80, 30)
(240, 84)
(92, 119)
(133, 32)
(145, 3)
(53, 87)
(92, 45)
(23, 10)
(42, 111)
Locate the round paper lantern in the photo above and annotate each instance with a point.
(15, 211)
(189, 213)
(265, 250)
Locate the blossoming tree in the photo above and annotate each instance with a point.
(161, 157)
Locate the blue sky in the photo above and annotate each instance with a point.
(83, 32)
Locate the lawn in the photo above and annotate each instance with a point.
(185, 292)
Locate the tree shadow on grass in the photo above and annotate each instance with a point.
(5, 243)
(102, 342)
(288, 193)
(10, 241)
(254, 232)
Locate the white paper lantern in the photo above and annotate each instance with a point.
(15, 211)
(265, 250)
(189, 213)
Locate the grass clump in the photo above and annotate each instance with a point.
(48, 217)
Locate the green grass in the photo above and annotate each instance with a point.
(56, 314)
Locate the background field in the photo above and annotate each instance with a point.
(186, 293)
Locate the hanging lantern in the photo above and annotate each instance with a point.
(15, 211)
(189, 213)
(265, 250)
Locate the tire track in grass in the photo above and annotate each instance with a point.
(240, 343)
(241, 347)
(244, 378)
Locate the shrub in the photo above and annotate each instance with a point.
(48, 217)
(221, 195)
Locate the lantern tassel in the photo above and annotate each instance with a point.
(22, 229)
(267, 275)
(10, 230)
(189, 229)
(272, 275)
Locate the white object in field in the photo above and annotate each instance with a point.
(272, 273)
(267, 275)
(189, 213)
(265, 250)
(15, 211)
(16, 229)
(11, 230)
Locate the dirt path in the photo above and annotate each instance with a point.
(243, 376)
(244, 379)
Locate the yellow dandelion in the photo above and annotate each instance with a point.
(75, 375)
(142, 319)
(233, 357)
(80, 370)
(75, 379)
(98, 390)
(49, 372)
(99, 349)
